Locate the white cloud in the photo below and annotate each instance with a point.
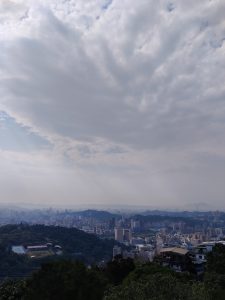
(131, 92)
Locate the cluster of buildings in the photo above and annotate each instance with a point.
(179, 251)
(177, 258)
(181, 259)
(180, 245)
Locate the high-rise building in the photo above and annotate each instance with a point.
(119, 234)
(127, 236)
(123, 235)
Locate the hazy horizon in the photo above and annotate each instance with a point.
(113, 103)
(113, 207)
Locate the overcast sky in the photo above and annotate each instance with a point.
(113, 102)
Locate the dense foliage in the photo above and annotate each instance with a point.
(152, 282)
(66, 280)
(215, 272)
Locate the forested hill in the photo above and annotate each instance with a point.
(75, 244)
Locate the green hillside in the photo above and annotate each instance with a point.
(76, 244)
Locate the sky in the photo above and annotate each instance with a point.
(113, 103)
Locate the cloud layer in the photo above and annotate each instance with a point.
(128, 94)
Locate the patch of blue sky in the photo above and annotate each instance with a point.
(15, 137)
(217, 43)
(170, 6)
(106, 4)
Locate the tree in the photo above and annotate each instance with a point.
(153, 282)
(65, 280)
(214, 278)
(118, 269)
(12, 290)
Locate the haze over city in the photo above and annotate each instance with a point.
(112, 103)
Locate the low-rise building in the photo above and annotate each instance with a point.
(176, 258)
(20, 250)
(117, 251)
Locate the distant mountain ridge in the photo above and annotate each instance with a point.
(97, 214)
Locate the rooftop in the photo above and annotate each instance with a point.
(176, 250)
